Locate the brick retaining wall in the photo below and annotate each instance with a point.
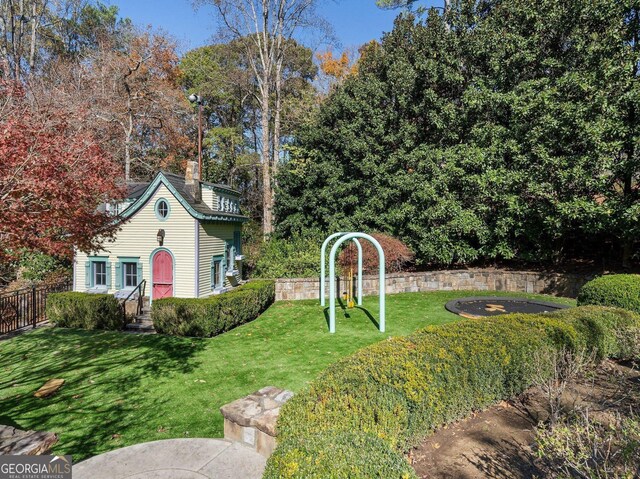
(557, 284)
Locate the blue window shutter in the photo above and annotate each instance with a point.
(87, 274)
(118, 275)
(108, 274)
(139, 272)
(224, 261)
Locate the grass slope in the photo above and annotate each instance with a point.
(123, 389)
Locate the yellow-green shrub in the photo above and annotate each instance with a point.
(400, 389)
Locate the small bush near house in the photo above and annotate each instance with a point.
(396, 391)
(620, 290)
(206, 317)
(84, 310)
(296, 257)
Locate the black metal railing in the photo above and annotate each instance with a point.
(140, 300)
(27, 307)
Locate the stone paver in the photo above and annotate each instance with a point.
(18, 442)
(175, 459)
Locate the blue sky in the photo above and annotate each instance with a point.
(355, 22)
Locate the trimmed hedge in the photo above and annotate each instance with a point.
(620, 290)
(337, 455)
(206, 317)
(84, 310)
(395, 392)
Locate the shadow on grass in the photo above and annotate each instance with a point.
(326, 317)
(106, 394)
(344, 308)
(371, 318)
(7, 421)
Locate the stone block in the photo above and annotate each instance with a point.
(232, 431)
(252, 420)
(265, 444)
(249, 436)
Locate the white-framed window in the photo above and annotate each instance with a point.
(130, 275)
(230, 254)
(99, 273)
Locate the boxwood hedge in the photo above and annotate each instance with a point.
(621, 290)
(361, 413)
(206, 317)
(84, 310)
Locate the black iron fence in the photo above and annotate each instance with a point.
(26, 307)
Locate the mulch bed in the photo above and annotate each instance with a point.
(498, 442)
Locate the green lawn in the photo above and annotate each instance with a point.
(123, 389)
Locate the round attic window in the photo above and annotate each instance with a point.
(162, 209)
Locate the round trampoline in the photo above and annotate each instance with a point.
(483, 306)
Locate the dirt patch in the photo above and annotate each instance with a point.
(497, 442)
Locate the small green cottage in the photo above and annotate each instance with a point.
(181, 235)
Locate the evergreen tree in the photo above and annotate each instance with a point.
(501, 130)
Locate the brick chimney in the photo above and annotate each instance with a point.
(192, 180)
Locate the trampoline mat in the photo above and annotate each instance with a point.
(475, 307)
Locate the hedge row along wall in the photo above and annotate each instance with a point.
(84, 310)
(620, 290)
(358, 417)
(214, 315)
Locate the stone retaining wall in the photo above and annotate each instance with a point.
(557, 284)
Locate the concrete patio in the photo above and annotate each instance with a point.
(175, 459)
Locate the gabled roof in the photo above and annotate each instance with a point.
(135, 190)
(142, 192)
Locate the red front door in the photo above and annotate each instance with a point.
(162, 275)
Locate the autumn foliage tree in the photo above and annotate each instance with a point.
(397, 255)
(128, 87)
(136, 94)
(53, 178)
(336, 68)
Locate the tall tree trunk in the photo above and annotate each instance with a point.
(129, 128)
(267, 193)
(18, 43)
(4, 51)
(12, 35)
(32, 49)
(627, 243)
(276, 122)
(128, 131)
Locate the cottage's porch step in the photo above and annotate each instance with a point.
(142, 323)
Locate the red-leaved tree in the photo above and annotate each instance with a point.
(397, 255)
(53, 178)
